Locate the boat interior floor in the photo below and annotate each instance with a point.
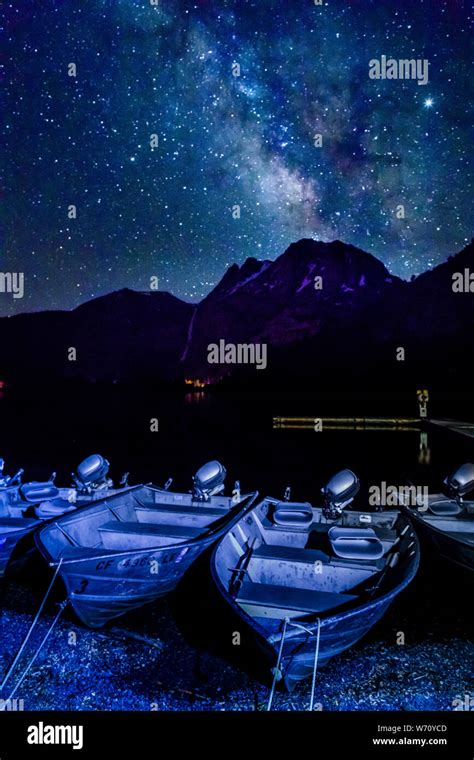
(134, 522)
(279, 572)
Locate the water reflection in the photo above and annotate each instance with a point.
(196, 397)
(380, 424)
(424, 455)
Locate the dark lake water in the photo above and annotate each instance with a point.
(49, 432)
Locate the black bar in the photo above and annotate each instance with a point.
(156, 734)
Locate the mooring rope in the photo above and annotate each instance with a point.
(276, 669)
(30, 664)
(315, 667)
(31, 628)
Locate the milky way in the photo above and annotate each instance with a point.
(225, 140)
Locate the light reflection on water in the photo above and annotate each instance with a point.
(57, 432)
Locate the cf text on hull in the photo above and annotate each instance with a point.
(133, 548)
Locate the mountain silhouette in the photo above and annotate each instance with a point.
(329, 313)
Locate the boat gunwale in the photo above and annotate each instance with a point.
(415, 515)
(211, 534)
(324, 621)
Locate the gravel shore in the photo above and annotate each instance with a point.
(173, 655)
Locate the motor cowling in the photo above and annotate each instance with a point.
(4, 479)
(209, 480)
(92, 472)
(7, 481)
(339, 492)
(461, 482)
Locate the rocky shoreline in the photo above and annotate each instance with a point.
(416, 658)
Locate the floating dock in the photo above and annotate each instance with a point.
(348, 423)
(402, 424)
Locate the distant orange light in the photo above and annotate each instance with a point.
(195, 382)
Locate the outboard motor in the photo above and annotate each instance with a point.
(339, 492)
(460, 483)
(208, 481)
(3, 478)
(91, 474)
(7, 481)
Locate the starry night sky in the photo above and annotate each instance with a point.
(225, 140)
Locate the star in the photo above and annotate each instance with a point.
(181, 163)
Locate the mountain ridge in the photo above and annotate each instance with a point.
(329, 304)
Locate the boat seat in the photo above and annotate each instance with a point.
(181, 510)
(293, 514)
(53, 508)
(35, 492)
(445, 508)
(355, 543)
(150, 529)
(289, 554)
(287, 600)
(310, 556)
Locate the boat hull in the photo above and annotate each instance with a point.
(103, 584)
(12, 540)
(449, 548)
(136, 578)
(337, 632)
(336, 635)
(15, 548)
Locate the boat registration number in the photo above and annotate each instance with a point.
(128, 562)
(137, 562)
